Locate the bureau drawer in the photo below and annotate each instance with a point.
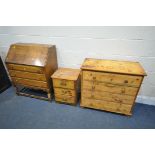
(119, 79)
(25, 68)
(27, 82)
(64, 92)
(118, 98)
(63, 83)
(65, 99)
(108, 87)
(104, 105)
(27, 75)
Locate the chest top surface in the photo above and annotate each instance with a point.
(113, 66)
(28, 54)
(66, 74)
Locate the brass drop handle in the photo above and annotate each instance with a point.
(93, 87)
(123, 91)
(64, 92)
(92, 95)
(63, 83)
(64, 99)
(94, 78)
(125, 81)
(39, 71)
(11, 67)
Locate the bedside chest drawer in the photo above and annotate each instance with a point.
(25, 68)
(65, 99)
(108, 87)
(64, 92)
(63, 83)
(27, 75)
(127, 80)
(27, 82)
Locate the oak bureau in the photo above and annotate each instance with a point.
(110, 85)
(31, 66)
(66, 83)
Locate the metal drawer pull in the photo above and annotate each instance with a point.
(64, 92)
(64, 99)
(93, 87)
(125, 81)
(92, 95)
(63, 83)
(94, 78)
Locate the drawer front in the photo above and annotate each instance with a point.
(27, 82)
(25, 68)
(127, 80)
(111, 97)
(63, 83)
(108, 87)
(64, 92)
(65, 99)
(27, 75)
(108, 106)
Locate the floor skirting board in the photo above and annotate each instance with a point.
(146, 100)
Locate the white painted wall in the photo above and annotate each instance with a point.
(74, 44)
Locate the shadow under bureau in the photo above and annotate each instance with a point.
(31, 66)
(4, 79)
(110, 85)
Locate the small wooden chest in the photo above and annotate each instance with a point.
(110, 85)
(66, 83)
(31, 66)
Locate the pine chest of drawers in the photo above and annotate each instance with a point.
(66, 83)
(31, 66)
(110, 85)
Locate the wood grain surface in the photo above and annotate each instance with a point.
(114, 66)
(66, 82)
(110, 85)
(31, 65)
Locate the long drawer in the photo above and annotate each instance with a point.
(63, 83)
(27, 75)
(104, 105)
(118, 98)
(127, 80)
(64, 92)
(108, 87)
(28, 82)
(25, 68)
